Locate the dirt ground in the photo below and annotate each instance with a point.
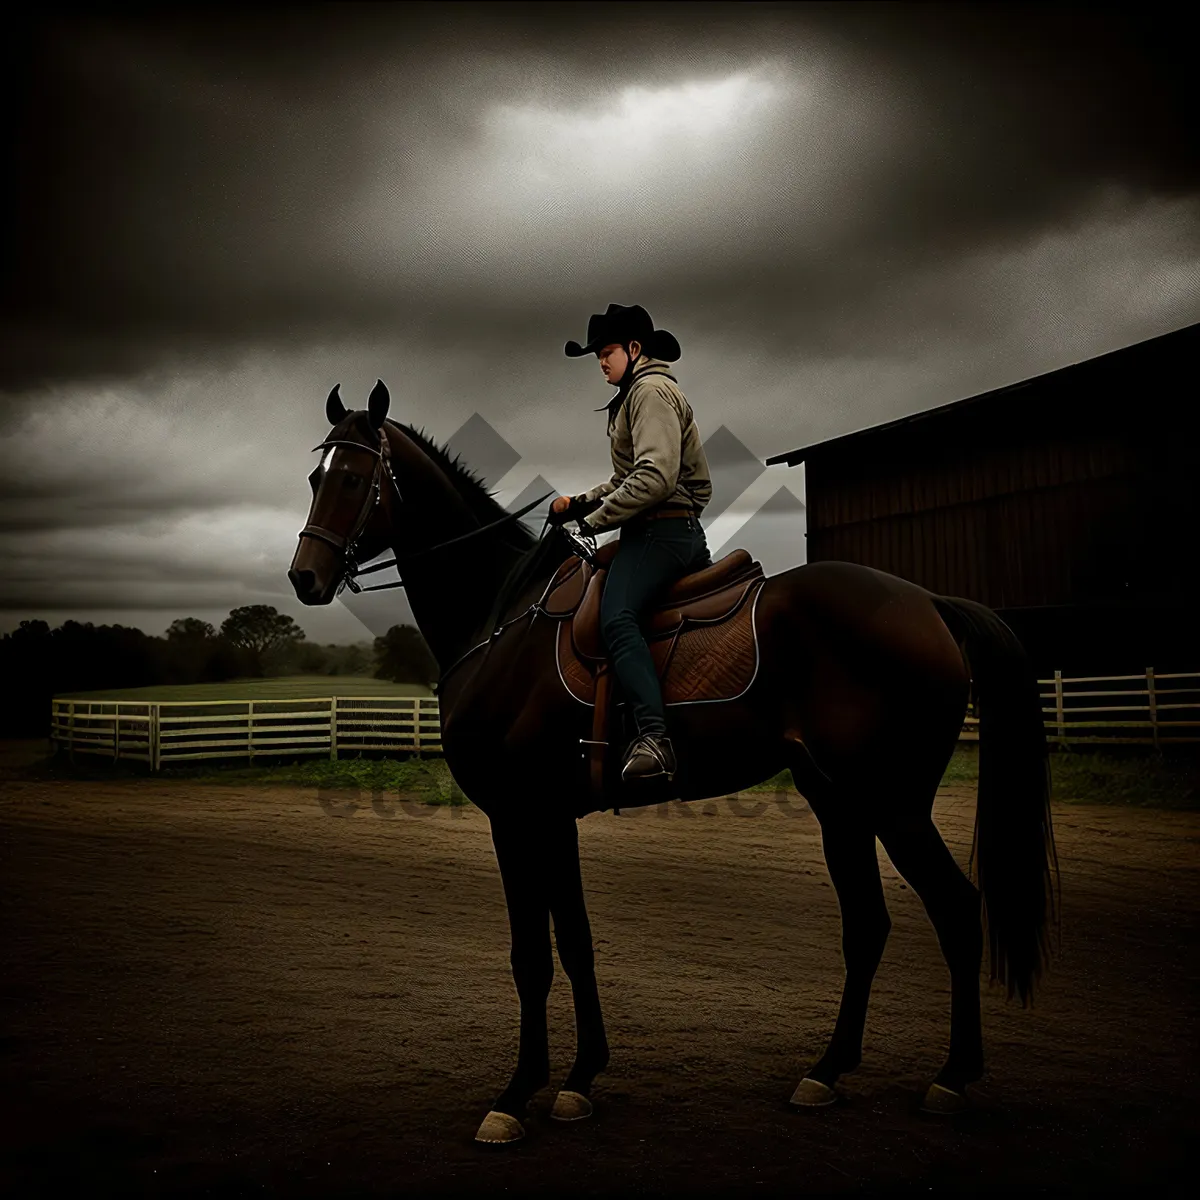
(235, 990)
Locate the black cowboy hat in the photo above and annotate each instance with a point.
(624, 324)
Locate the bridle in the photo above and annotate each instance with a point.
(347, 545)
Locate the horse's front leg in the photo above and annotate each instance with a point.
(523, 870)
(573, 939)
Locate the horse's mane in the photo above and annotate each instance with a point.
(470, 487)
(538, 556)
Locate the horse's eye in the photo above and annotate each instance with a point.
(352, 482)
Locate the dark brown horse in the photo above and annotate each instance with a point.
(861, 691)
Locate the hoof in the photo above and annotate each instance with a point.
(942, 1101)
(571, 1106)
(812, 1093)
(499, 1128)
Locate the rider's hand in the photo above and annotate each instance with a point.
(561, 509)
(567, 508)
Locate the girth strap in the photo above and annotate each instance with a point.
(599, 746)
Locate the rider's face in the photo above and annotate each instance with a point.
(614, 360)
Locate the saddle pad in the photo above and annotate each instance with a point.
(715, 661)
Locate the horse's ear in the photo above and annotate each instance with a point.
(335, 410)
(377, 405)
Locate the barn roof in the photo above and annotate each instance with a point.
(1120, 359)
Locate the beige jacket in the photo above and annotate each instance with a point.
(657, 455)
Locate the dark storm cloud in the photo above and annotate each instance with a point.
(192, 185)
(94, 507)
(846, 212)
(198, 555)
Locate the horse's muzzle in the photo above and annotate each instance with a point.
(308, 588)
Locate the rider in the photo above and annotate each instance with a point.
(659, 487)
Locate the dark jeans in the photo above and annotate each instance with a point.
(651, 556)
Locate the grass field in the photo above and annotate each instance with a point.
(1139, 779)
(287, 687)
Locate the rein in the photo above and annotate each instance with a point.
(578, 545)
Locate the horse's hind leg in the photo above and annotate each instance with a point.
(849, 845)
(918, 852)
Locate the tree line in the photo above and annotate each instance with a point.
(256, 641)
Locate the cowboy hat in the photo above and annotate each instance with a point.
(623, 324)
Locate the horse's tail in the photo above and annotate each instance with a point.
(1013, 852)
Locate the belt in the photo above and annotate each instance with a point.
(656, 513)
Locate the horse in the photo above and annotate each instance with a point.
(861, 690)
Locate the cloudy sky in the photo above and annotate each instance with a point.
(845, 213)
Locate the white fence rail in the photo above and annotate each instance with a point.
(1150, 708)
(1143, 709)
(181, 730)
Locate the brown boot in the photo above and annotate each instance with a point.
(650, 757)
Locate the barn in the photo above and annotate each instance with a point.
(1067, 502)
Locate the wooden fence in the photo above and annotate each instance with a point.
(1144, 709)
(1150, 708)
(178, 731)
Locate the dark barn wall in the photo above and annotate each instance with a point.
(1068, 503)
(1006, 525)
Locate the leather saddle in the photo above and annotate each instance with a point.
(700, 632)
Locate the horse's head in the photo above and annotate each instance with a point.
(350, 519)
